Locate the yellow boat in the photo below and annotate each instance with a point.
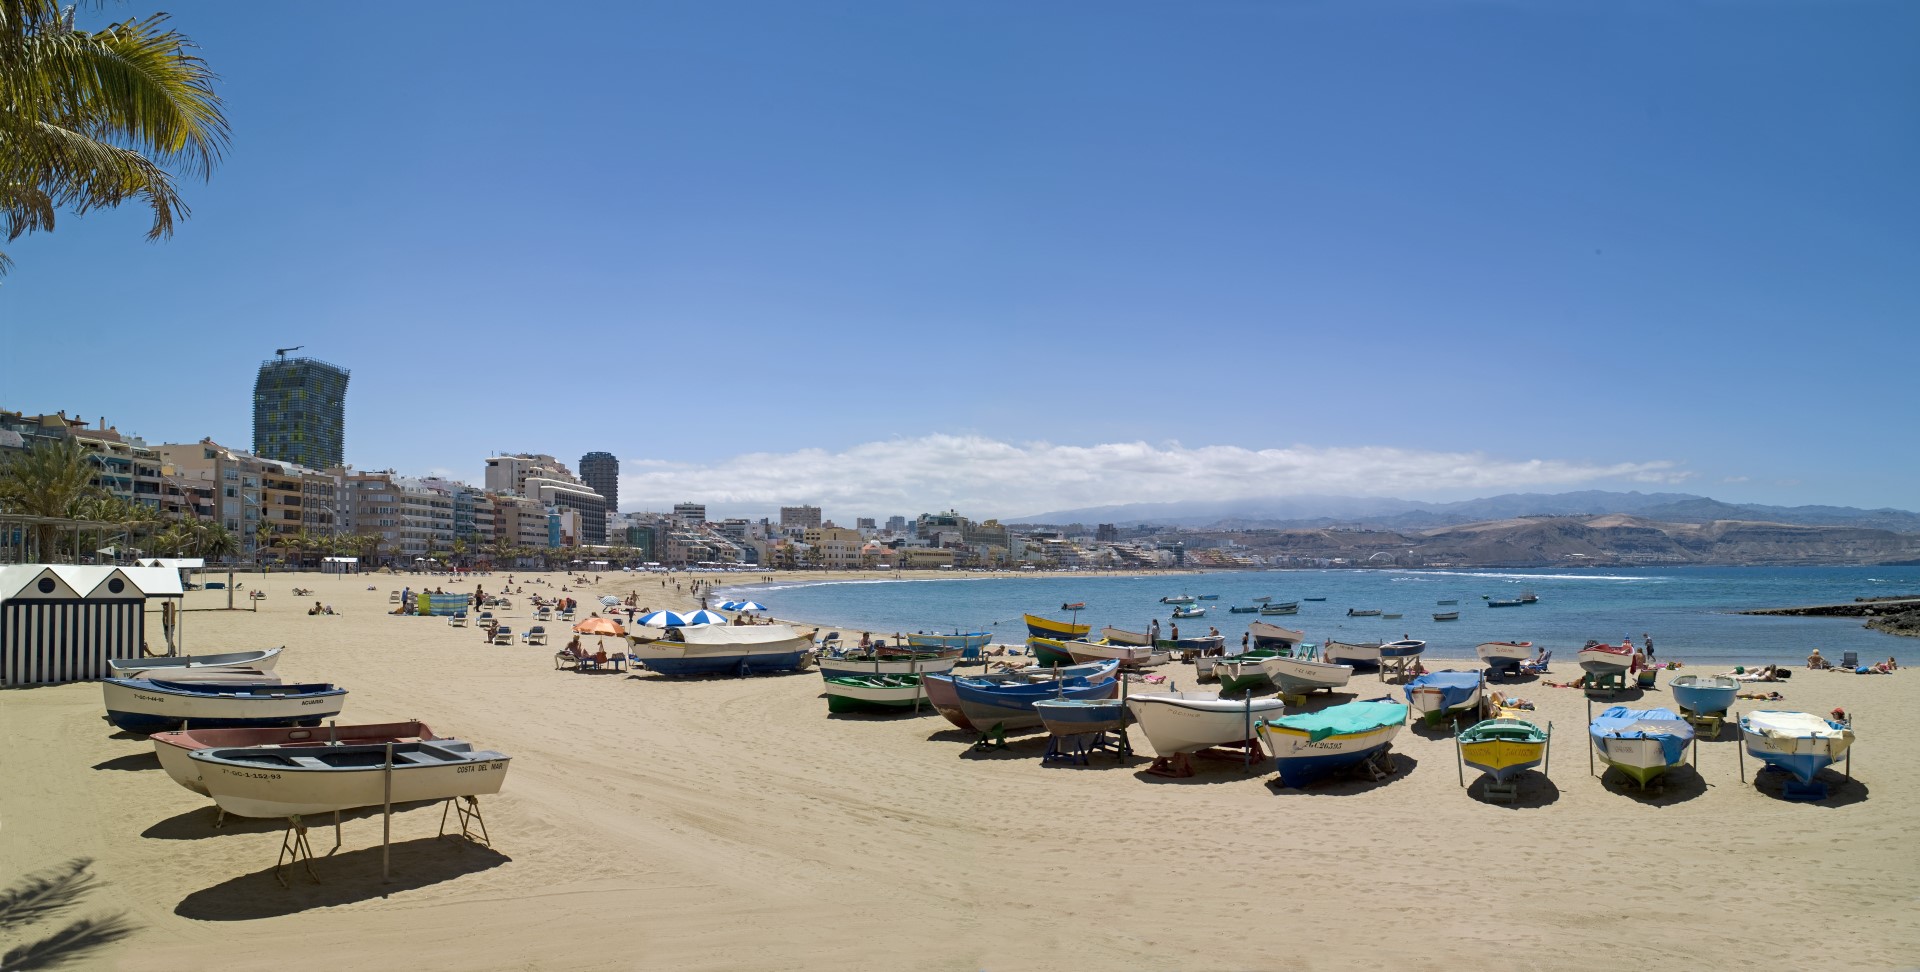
(1503, 748)
(1040, 627)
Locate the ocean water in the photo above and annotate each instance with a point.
(1689, 611)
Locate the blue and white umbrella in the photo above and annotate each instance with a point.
(699, 618)
(662, 619)
(742, 606)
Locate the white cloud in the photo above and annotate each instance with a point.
(986, 477)
(1734, 479)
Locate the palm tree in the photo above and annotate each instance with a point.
(49, 480)
(213, 540)
(97, 118)
(262, 541)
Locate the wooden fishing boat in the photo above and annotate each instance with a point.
(262, 660)
(722, 649)
(1528, 597)
(1242, 673)
(1298, 676)
(1273, 636)
(1050, 651)
(1186, 722)
(1178, 599)
(1504, 602)
(146, 706)
(1439, 695)
(884, 650)
(1313, 599)
(990, 705)
(175, 749)
(1450, 600)
(1312, 745)
(850, 665)
(1391, 617)
(1642, 743)
(1071, 606)
(1121, 636)
(1704, 695)
(1503, 748)
(1244, 610)
(1406, 648)
(1364, 654)
(968, 643)
(1271, 610)
(1504, 655)
(279, 781)
(1363, 612)
(1261, 600)
(874, 693)
(1190, 612)
(1129, 656)
(1799, 743)
(1209, 597)
(231, 676)
(1068, 717)
(1603, 659)
(1039, 627)
(1446, 615)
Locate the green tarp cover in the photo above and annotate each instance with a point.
(1340, 720)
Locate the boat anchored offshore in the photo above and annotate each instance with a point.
(280, 781)
(1363, 612)
(1179, 599)
(1190, 612)
(1313, 745)
(1642, 743)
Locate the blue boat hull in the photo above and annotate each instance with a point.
(1084, 718)
(147, 724)
(1298, 771)
(1803, 766)
(727, 664)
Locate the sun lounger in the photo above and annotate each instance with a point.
(566, 615)
(537, 635)
(393, 597)
(1538, 666)
(544, 614)
(458, 619)
(503, 635)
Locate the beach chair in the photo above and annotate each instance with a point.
(485, 616)
(544, 614)
(1538, 666)
(566, 615)
(537, 635)
(831, 641)
(458, 619)
(1849, 660)
(393, 597)
(503, 635)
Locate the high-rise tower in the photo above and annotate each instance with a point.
(601, 472)
(299, 412)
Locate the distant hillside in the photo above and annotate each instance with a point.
(1320, 512)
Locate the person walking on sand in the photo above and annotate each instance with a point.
(1649, 639)
(1153, 630)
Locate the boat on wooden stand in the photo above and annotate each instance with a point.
(280, 781)
(1502, 749)
(175, 749)
(1800, 744)
(1642, 743)
(1443, 694)
(1504, 657)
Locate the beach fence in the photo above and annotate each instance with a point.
(444, 605)
(60, 623)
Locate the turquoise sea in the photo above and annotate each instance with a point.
(1687, 610)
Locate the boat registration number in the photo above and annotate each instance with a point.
(250, 775)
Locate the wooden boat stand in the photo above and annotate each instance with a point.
(468, 807)
(295, 849)
(991, 739)
(1399, 668)
(1706, 724)
(1077, 746)
(1378, 766)
(1604, 684)
(1179, 766)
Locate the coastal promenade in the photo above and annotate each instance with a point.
(731, 824)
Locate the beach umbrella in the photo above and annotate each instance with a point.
(609, 600)
(702, 617)
(599, 626)
(662, 619)
(743, 606)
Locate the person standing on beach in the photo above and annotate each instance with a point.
(1153, 630)
(1649, 639)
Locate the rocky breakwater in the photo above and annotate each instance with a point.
(1894, 615)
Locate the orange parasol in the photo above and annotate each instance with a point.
(599, 626)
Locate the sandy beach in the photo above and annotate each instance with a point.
(730, 824)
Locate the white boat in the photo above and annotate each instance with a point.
(172, 667)
(1437, 695)
(1121, 636)
(1601, 659)
(1190, 611)
(1273, 636)
(1801, 743)
(1312, 745)
(1504, 654)
(147, 706)
(1348, 653)
(175, 748)
(1129, 656)
(279, 781)
(230, 676)
(1178, 599)
(1298, 675)
(722, 649)
(862, 665)
(1642, 743)
(1185, 722)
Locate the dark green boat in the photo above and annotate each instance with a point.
(875, 693)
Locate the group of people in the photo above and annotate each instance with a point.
(319, 608)
(1817, 662)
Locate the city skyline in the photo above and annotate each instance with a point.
(1463, 247)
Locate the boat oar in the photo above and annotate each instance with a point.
(1546, 760)
(1459, 756)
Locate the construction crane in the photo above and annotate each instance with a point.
(282, 352)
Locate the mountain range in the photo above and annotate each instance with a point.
(1314, 512)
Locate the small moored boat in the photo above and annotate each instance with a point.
(1642, 743)
(1437, 695)
(1244, 610)
(1178, 599)
(1704, 695)
(1504, 602)
(1446, 615)
(1190, 612)
(1311, 745)
(874, 693)
(147, 706)
(281, 781)
(1271, 610)
(175, 749)
(1503, 748)
(174, 666)
(1799, 743)
(1363, 612)
(1186, 722)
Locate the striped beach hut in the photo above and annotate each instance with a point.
(60, 623)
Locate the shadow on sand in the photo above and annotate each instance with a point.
(1841, 791)
(346, 877)
(1535, 791)
(131, 761)
(198, 824)
(1677, 785)
(1348, 783)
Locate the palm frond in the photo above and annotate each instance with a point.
(68, 945)
(37, 897)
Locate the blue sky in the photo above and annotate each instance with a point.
(1127, 251)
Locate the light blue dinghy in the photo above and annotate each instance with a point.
(1704, 694)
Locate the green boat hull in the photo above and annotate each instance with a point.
(843, 704)
(1048, 655)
